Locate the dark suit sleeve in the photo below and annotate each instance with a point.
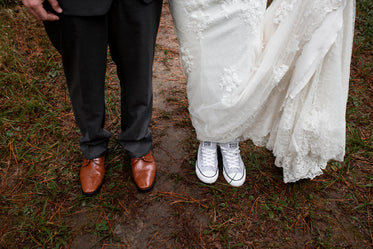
(82, 7)
(86, 7)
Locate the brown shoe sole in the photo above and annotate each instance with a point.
(145, 189)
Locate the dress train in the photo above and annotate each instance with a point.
(278, 76)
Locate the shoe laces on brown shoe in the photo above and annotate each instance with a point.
(92, 174)
(143, 171)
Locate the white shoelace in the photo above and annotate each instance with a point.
(232, 157)
(208, 157)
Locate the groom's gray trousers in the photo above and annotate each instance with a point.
(129, 28)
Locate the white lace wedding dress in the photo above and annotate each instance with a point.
(278, 76)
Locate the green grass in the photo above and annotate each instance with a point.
(364, 24)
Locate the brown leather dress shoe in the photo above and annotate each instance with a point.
(92, 175)
(143, 171)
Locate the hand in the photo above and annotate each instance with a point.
(37, 9)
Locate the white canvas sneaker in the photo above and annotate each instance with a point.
(207, 162)
(234, 170)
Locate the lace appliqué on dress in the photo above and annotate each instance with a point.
(316, 13)
(229, 81)
(283, 11)
(198, 23)
(186, 59)
(250, 12)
